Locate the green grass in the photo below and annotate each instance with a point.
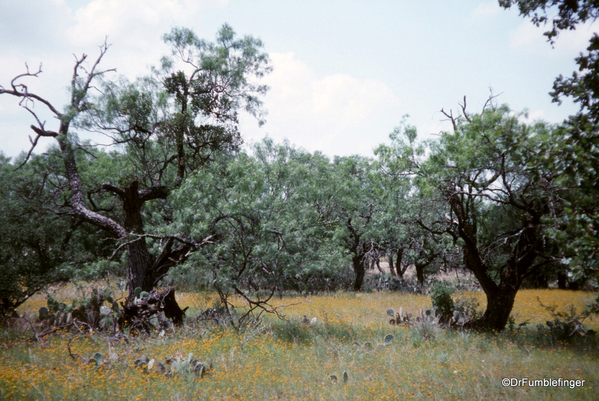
(289, 360)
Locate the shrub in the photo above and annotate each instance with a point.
(441, 299)
(468, 307)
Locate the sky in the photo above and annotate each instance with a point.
(345, 72)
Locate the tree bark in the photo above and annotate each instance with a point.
(359, 269)
(499, 308)
(391, 267)
(399, 268)
(420, 272)
(562, 281)
(139, 260)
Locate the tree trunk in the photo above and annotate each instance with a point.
(420, 273)
(358, 262)
(144, 271)
(399, 265)
(500, 298)
(139, 260)
(378, 266)
(499, 307)
(391, 267)
(562, 281)
(541, 281)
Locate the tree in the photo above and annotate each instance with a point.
(569, 13)
(576, 149)
(408, 201)
(166, 126)
(352, 205)
(496, 195)
(266, 235)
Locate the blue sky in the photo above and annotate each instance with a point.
(345, 72)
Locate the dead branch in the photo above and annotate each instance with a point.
(463, 106)
(451, 118)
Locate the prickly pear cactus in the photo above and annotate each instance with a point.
(96, 359)
(388, 339)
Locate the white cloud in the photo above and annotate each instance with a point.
(134, 27)
(337, 114)
(486, 9)
(134, 20)
(529, 38)
(539, 115)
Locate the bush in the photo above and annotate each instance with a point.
(441, 299)
(468, 307)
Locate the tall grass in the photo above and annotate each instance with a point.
(287, 359)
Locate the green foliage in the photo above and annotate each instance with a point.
(574, 154)
(261, 214)
(569, 13)
(39, 247)
(467, 307)
(442, 301)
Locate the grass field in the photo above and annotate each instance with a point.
(288, 360)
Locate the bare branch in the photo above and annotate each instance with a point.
(463, 106)
(451, 118)
(490, 100)
(21, 91)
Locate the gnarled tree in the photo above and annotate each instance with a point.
(165, 126)
(489, 176)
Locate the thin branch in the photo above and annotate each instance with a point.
(463, 106)
(451, 118)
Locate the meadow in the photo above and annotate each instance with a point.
(274, 359)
